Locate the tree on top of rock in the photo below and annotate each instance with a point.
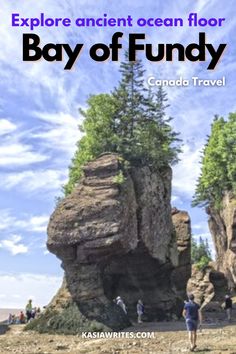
(218, 165)
(131, 121)
(131, 105)
(200, 253)
(99, 135)
(158, 139)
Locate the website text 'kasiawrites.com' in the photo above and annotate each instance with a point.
(117, 335)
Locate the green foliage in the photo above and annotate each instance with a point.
(203, 263)
(99, 136)
(119, 179)
(124, 164)
(200, 253)
(158, 143)
(131, 121)
(68, 321)
(218, 171)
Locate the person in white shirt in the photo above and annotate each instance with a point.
(121, 303)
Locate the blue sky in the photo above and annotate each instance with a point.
(39, 116)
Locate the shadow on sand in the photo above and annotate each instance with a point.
(175, 326)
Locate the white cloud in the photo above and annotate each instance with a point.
(186, 172)
(13, 151)
(19, 154)
(25, 222)
(13, 245)
(6, 219)
(203, 226)
(205, 235)
(53, 84)
(61, 133)
(37, 223)
(59, 118)
(16, 289)
(32, 181)
(176, 199)
(6, 126)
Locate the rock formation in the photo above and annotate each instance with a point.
(207, 285)
(222, 226)
(3, 328)
(182, 227)
(115, 236)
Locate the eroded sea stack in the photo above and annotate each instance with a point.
(208, 285)
(222, 224)
(115, 236)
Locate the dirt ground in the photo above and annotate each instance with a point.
(170, 337)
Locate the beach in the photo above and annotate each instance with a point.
(169, 338)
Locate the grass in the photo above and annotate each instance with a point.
(69, 320)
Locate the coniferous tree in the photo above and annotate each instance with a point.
(229, 153)
(200, 253)
(159, 142)
(131, 101)
(147, 137)
(131, 121)
(218, 165)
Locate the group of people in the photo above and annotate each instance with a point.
(13, 319)
(139, 307)
(30, 313)
(191, 312)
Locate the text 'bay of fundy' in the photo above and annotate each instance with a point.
(200, 51)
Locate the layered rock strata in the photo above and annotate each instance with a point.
(115, 236)
(222, 226)
(207, 285)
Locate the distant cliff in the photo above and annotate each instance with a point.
(222, 226)
(115, 236)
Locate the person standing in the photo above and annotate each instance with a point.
(121, 303)
(22, 317)
(10, 318)
(140, 310)
(28, 310)
(228, 307)
(193, 317)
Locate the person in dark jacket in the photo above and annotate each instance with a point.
(193, 317)
(228, 307)
(28, 310)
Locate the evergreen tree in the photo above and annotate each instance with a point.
(200, 253)
(165, 142)
(229, 153)
(147, 137)
(131, 101)
(218, 170)
(131, 121)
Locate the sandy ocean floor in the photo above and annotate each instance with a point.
(170, 338)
